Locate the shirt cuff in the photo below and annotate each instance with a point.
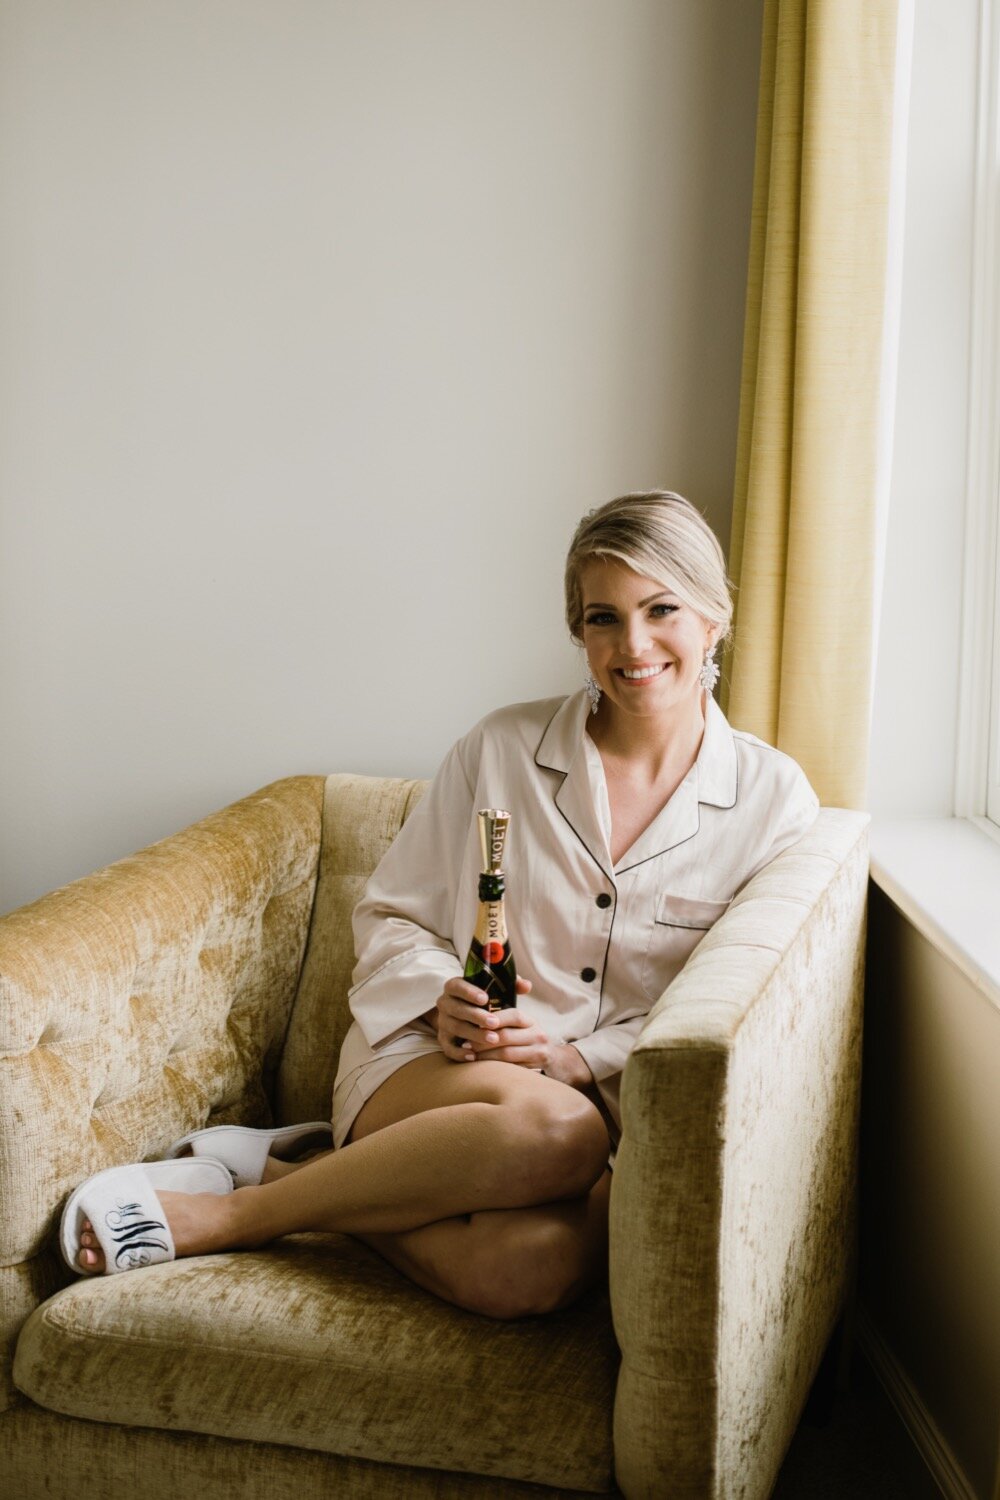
(606, 1051)
(402, 989)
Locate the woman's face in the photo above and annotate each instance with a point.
(645, 647)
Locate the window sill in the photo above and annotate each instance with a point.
(944, 875)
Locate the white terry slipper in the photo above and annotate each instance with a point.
(245, 1151)
(126, 1215)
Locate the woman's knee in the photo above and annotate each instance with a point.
(564, 1142)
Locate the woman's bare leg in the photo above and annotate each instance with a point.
(438, 1140)
(508, 1263)
(503, 1262)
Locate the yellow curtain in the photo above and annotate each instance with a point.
(802, 548)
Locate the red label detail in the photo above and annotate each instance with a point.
(493, 953)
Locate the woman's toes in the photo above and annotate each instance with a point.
(90, 1256)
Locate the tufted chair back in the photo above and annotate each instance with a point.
(361, 817)
(139, 1003)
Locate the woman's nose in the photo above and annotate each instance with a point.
(636, 637)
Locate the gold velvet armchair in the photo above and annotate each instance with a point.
(204, 981)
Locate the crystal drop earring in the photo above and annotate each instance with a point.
(709, 674)
(593, 692)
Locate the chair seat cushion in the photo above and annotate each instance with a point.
(317, 1343)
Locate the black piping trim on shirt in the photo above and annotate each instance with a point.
(541, 763)
(604, 966)
(610, 875)
(668, 850)
(607, 876)
(689, 926)
(724, 807)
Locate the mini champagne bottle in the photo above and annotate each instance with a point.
(490, 964)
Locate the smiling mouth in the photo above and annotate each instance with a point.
(641, 674)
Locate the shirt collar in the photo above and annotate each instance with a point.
(715, 769)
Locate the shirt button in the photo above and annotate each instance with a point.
(587, 975)
(604, 899)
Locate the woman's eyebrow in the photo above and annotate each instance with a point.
(597, 603)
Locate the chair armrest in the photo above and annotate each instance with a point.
(140, 1000)
(733, 1193)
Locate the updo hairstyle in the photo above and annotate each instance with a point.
(659, 535)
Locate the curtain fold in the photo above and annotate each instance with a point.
(804, 503)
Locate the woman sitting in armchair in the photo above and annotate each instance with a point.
(472, 1148)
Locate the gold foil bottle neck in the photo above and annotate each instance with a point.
(493, 824)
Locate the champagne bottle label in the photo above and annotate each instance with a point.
(490, 964)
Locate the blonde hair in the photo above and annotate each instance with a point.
(659, 535)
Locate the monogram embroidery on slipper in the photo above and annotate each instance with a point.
(133, 1234)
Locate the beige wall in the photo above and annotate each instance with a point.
(930, 1270)
(323, 321)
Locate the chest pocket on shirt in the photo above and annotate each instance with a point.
(679, 924)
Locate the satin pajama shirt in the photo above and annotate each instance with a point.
(599, 941)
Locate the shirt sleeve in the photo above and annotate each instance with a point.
(606, 1050)
(404, 922)
(794, 809)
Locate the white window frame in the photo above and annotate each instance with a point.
(977, 772)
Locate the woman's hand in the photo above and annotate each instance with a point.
(467, 1031)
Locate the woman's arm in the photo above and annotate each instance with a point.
(403, 924)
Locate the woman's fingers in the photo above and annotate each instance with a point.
(467, 1030)
(511, 1024)
(461, 990)
(504, 1027)
(461, 1018)
(522, 1057)
(517, 1040)
(467, 1021)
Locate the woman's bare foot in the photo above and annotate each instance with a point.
(199, 1222)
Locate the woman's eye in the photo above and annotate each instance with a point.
(659, 610)
(603, 617)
